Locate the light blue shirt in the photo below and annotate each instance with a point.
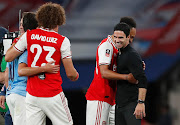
(17, 84)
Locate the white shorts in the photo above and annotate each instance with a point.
(56, 108)
(17, 107)
(97, 112)
(111, 119)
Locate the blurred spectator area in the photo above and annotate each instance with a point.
(9, 10)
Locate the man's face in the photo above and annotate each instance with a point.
(132, 34)
(120, 39)
(21, 29)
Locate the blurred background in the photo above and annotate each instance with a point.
(90, 21)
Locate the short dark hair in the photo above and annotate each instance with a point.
(123, 27)
(29, 21)
(128, 20)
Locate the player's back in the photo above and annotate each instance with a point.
(44, 46)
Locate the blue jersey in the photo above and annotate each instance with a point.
(17, 84)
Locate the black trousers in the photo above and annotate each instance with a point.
(124, 115)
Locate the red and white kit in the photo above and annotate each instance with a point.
(101, 93)
(43, 46)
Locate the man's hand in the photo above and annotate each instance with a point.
(140, 111)
(51, 68)
(2, 101)
(144, 65)
(131, 79)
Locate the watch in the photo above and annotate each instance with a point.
(140, 101)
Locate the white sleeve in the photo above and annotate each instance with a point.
(21, 44)
(65, 49)
(105, 52)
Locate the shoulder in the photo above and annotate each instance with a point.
(105, 46)
(105, 43)
(65, 38)
(65, 41)
(15, 40)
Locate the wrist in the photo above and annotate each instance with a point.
(139, 101)
(126, 77)
(43, 69)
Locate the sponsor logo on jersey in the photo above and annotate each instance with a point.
(43, 38)
(42, 76)
(107, 52)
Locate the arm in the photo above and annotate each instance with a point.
(109, 74)
(2, 77)
(2, 97)
(11, 53)
(135, 66)
(6, 77)
(24, 70)
(16, 49)
(105, 61)
(71, 72)
(140, 108)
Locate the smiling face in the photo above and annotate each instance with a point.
(120, 39)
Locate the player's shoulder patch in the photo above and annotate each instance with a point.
(108, 52)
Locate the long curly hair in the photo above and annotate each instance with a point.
(50, 15)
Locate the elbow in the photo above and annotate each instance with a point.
(73, 76)
(20, 73)
(104, 74)
(8, 59)
(70, 75)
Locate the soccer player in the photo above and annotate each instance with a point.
(45, 95)
(101, 93)
(16, 90)
(130, 107)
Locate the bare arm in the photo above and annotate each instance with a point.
(24, 70)
(142, 94)
(140, 108)
(109, 74)
(71, 72)
(2, 77)
(11, 54)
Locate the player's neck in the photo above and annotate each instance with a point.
(56, 29)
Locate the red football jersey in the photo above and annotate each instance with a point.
(44, 46)
(103, 89)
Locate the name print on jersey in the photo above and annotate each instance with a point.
(43, 38)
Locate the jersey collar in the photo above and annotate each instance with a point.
(47, 29)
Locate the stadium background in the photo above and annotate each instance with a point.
(90, 21)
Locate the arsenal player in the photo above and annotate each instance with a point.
(45, 95)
